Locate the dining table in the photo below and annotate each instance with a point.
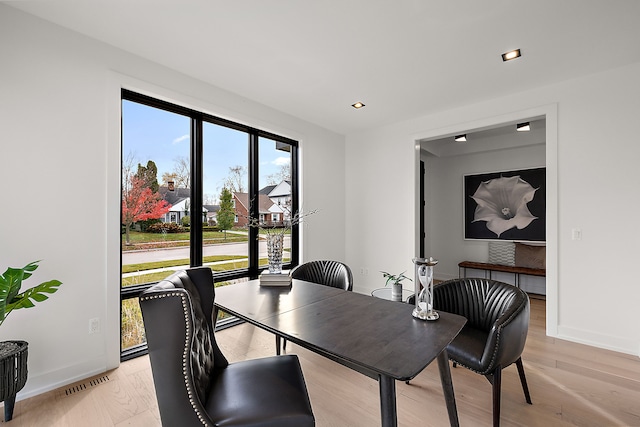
(373, 336)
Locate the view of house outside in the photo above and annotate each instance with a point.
(156, 205)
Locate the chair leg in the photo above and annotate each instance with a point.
(496, 385)
(9, 404)
(495, 379)
(523, 380)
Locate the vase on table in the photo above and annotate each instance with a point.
(396, 292)
(275, 243)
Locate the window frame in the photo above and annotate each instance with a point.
(198, 118)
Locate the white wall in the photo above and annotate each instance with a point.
(592, 294)
(60, 152)
(444, 205)
(444, 213)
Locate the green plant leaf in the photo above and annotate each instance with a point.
(10, 284)
(4, 292)
(37, 293)
(14, 281)
(391, 278)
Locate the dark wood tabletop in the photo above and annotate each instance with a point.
(249, 300)
(376, 337)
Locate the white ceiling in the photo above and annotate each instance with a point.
(402, 58)
(500, 137)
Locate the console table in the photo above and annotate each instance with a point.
(517, 271)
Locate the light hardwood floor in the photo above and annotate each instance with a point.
(570, 384)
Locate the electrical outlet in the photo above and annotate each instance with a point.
(94, 325)
(576, 234)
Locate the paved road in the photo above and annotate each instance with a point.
(137, 257)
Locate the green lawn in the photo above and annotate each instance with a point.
(132, 326)
(131, 268)
(140, 240)
(235, 262)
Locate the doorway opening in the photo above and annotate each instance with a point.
(492, 145)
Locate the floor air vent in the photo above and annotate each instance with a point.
(79, 387)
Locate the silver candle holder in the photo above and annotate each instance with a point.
(424, 289)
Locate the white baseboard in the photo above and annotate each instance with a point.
(607, 342)
(43, 383)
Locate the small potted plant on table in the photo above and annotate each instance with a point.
(396, 284)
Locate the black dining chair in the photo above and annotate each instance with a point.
(324, 272)
(195, 384)
(496, 331)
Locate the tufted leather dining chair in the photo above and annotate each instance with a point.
(195, 384)
(324, 272)
(494, 337)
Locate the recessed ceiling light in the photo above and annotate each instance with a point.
(461, 138)
(508, 56)
(357, 105)
(523, 127)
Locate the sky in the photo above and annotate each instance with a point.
(152, 134)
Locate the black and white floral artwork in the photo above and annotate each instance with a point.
(508, 205)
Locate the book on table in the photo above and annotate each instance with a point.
(280, 279)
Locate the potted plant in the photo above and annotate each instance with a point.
(13, 354)
(396, 284)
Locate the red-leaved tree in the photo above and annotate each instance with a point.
(139, 203)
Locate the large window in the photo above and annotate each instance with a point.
(190, 184)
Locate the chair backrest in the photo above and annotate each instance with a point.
(499, 309)
(324, 272)
(481, 301)
(178, 315)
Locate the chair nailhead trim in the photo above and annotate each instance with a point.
(185, 354)
(498, 334)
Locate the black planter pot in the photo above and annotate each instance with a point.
(13, 373)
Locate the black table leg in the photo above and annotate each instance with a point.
(389, 414)
(278, 341)
(447, 387)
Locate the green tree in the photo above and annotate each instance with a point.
(226, 214)
(149, 175)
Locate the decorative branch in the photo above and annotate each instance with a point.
(273, 229)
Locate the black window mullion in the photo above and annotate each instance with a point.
(196, 251)
(295, 231)
(254, 204)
